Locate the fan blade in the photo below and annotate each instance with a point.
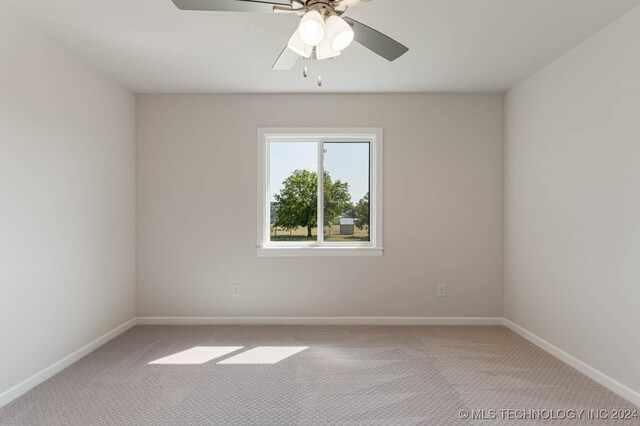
(229, 5)
(377, 42)
(343, 5)
(349, 3)
(284, 9)
(286, 60)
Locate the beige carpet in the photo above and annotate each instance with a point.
(307, 375)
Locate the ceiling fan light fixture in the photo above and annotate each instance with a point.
(324, 50)
(339, 33)
(312, 28)
(297, 45)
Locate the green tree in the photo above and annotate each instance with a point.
(361, 213)
(337, 199)
(297, 202)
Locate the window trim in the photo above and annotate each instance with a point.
(267, 248)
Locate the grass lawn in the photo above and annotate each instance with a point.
(331, 233)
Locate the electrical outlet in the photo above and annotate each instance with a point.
(236, 290)
(442, 290)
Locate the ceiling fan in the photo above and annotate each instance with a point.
(322, 33)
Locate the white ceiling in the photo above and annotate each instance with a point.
(150, 46)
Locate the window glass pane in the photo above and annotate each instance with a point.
(293, 183)
(346, 191)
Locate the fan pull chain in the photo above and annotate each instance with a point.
(305, 74)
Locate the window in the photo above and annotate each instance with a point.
(320, 192)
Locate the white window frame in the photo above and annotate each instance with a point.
(268, 248)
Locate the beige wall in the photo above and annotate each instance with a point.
(572, 235)
(197, 183)
(67, 219)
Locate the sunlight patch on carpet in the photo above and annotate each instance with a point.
(197, 355)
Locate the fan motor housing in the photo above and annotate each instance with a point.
(326, 7)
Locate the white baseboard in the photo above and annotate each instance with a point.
(53, 369)
(597, 375)
(319, 320)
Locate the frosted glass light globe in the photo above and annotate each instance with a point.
(339, 33)
(297, 45)
(311, 28)
(324, 50)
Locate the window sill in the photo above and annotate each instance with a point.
(320, 251)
